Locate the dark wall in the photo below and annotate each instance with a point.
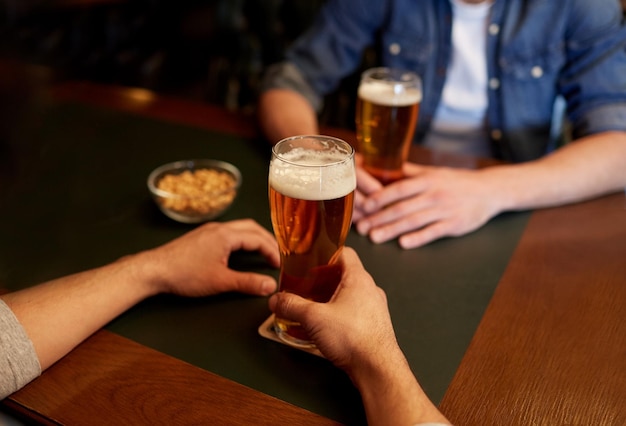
(211, 50)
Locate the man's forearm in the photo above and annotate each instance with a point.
(284, 113)
(584, 169)
(60, 314)
(392, 395)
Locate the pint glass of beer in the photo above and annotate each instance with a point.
(386, 113)
(311, 191)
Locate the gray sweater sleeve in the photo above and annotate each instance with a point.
(18, 361)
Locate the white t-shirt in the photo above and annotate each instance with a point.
(459, 122)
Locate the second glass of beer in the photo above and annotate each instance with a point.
(386, 114)
(311, 191)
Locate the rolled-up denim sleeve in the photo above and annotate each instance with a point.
(329, 50)
(285, 75)
(594, 79)
(18, 361)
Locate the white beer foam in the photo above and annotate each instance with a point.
(384, 94)
(310, 182)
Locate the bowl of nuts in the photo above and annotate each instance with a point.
(194, 191)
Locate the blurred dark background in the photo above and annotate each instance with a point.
(211, 51)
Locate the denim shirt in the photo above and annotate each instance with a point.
(538, 52)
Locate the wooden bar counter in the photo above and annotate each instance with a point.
(545, 344)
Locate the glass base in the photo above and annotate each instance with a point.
(292, 333)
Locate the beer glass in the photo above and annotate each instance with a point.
(386, 114)
(311, 192)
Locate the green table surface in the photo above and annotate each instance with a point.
(83, 202)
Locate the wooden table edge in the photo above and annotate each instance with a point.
(175, 391)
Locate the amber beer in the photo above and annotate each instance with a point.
(386, 114)
(311, 191)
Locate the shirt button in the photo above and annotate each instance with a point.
(394, 48)
(536, 71)
(494, 29)
(494, 83)
(496, 134)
